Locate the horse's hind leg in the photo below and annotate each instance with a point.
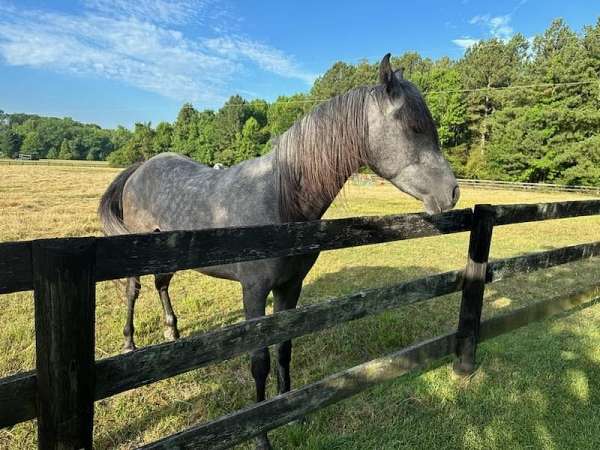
(286, 297)
(132, 292)
(162, 282)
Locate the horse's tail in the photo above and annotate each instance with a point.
(110, 210)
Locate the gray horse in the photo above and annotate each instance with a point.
(387, 127)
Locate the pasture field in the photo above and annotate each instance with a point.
(538, 387)
(53, 162)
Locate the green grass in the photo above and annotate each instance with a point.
(536, 388)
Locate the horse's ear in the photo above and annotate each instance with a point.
(400, 73)
(386, 75)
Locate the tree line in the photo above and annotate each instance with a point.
(520, 110)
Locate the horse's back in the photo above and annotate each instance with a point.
(172, 192)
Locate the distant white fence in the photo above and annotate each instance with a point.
(370, 179)
(53, 162)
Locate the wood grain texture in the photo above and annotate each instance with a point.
(18, 398)
(64, 291)
(503, 268)
(473, 289)
(15, 267)
(120, 256)
(141, 254)
(508, 214)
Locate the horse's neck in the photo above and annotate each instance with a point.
(317, 205)
(317, 155)
(316, 208)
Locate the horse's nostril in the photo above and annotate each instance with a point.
(455, 194)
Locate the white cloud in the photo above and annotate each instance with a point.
(138, 43)
(269, 59)
(161, 11)
(497, 26)
(465, 42)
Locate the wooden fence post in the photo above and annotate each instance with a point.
(65, 303)
(473, 288)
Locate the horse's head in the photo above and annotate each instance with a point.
(403, 142)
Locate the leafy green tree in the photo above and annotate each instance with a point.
(163, 138)
(205, 146)
(485, 66)
(10, 143)
(66, 150)
(337, 80)
(32, 144)
(287, 110)
(185, 130)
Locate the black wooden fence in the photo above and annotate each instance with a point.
(63, 272)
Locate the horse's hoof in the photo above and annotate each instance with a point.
(171, 334)
(128, 348)
(262, 443)
(463, 369)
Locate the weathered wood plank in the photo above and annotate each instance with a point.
(65, 306)
(518, 213)
(473, 288)
(120, 256)
(503, 268)
(15, 267)
(521, 317)
(157, 362)
(18, 392)
(140, 254)
(253, 420)
(17, 398)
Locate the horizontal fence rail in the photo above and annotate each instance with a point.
(511, 214)
(142, 254)
(48, 162)
(496, 184)
(513, 185)
(156, 362)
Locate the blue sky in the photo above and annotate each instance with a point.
(117, 62)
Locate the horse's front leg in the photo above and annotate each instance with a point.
(255, 299)
(286, 297)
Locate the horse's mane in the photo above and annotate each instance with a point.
(319, 152)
